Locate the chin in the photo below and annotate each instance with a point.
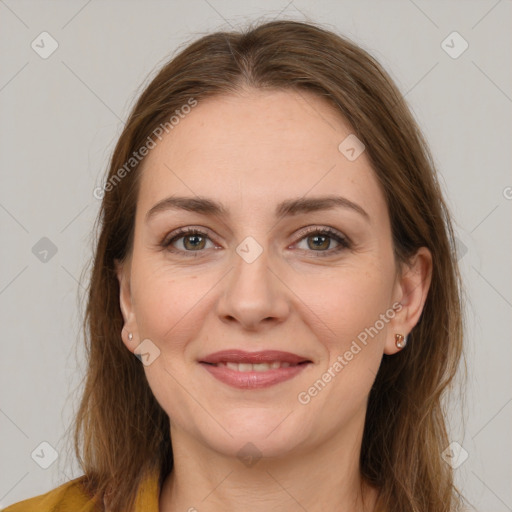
(249, 449)
(256, 432)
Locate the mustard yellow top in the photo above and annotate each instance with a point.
(70, 497)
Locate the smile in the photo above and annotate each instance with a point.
(256, 367)
(253, 370)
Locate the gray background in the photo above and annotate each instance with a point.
(60, 118)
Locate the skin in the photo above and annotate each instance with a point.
(250, 151)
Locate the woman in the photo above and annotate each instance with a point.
(276, 252)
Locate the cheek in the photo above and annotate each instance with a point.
(349, 313)
(168, 312)
(166, 307)
(345, 304)
(363, 313)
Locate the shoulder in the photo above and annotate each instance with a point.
(68, 497)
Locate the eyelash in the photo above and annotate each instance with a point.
(344, 242)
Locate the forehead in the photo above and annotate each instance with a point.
(257, 148)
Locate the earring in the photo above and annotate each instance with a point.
(130, 336)
(400, 341)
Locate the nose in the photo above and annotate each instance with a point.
(254, 294)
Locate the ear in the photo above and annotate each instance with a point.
(411, 290)
(123, 271)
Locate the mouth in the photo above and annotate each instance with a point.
(255, 367)
(251, 370)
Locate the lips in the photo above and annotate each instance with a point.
(254, 367)
(251, 370)
(266, 356)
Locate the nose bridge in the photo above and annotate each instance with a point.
(252, 292)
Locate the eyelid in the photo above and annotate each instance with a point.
(184, 231)
(341, 239)
(322, 229)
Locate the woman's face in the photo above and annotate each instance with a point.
(263, 275)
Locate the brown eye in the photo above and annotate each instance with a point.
(186, 241)
(193, 242)
(320, 241)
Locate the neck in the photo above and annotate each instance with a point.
(324, 477)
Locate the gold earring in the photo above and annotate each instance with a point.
(400, 341)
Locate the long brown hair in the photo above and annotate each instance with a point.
(120, 431)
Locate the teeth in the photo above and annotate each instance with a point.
(257, 367)
(261, 367)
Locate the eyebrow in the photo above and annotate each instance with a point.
(289, 207)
